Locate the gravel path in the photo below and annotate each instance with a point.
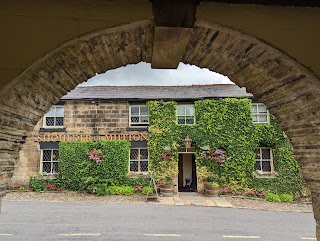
(237, 202)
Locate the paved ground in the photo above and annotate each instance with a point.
(178, 200)
(45, 220)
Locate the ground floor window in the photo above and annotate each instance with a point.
(264, 160)
(138, 160)
(49, 161)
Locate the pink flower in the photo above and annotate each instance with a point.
(138, 188)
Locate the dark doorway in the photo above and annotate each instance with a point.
(187, 177)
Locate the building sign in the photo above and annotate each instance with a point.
(113, 137)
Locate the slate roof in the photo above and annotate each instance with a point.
(131, 93)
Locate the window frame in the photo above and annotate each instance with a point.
(44, 125)
(51, 162)
(138, 124)
(139, 161)
(261, 160)
(260, 114)
(185, 116)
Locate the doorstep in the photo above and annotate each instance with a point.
(195, 199)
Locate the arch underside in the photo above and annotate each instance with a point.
(290, 91)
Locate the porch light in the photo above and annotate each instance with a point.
(187, 142)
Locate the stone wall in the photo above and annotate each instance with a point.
(80, 118)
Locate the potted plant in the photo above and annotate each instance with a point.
(212, 189)
(166, 187)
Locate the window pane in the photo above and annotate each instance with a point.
(134, 166)
(254, 108)
(134, 110)
(59, 121)
(189, 120)
(255, 118)
(59, 112)
(181, 120)
(266, 154)
(257, 166)
(134, 119)
(51, 112)
(143, 154)
(144, 119)
(144, 166)
(143, 110)
(55, 155)
(49, 121)
(189, 110)
(46, 167)
(46, 155)
(263, 118)
(266, 166)
(262, 109)
(181, 110)
(55, 167)
(134, 154)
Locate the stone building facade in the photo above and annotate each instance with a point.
(120, 113)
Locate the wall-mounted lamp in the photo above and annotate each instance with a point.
(187, 142)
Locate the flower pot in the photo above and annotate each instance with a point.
(211, 191)
(166, 190)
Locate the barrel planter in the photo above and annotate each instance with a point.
(211, 191)
(166, 190)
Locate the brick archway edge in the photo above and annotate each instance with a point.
(290, 91)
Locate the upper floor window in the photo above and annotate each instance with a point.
(139, 116)
(264, 160)
(54, 118)
(49, 161)
(185, 114)
(260, 113)
(138, 160)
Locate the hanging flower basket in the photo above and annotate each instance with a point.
(95, 155)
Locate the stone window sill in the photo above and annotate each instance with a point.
(265, 175)
(53, 129)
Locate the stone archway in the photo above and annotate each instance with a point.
(290, 90)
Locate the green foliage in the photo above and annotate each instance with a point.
(39, 183)
(286, 197)
(147, 190)
(77, 172)
(223, 124)
(271, 197)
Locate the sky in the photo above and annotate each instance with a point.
(142, 74)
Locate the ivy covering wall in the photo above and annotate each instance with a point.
(226, 124)
(76, 170)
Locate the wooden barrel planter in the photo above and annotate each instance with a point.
(211, 191)
(166, 190)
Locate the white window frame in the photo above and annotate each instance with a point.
(138, 124)
(260, 114)
(51, 162)
(265, 160)
(45, 116)
(185, 116)
(139, 160)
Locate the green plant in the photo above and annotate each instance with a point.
(271, 197)
(147, 190)
(227, 125)
(286, 197)
(213, 184)
(78, 172)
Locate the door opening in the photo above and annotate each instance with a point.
(187, 177)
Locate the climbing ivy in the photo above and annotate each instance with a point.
(225, 124)
(76, 170)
